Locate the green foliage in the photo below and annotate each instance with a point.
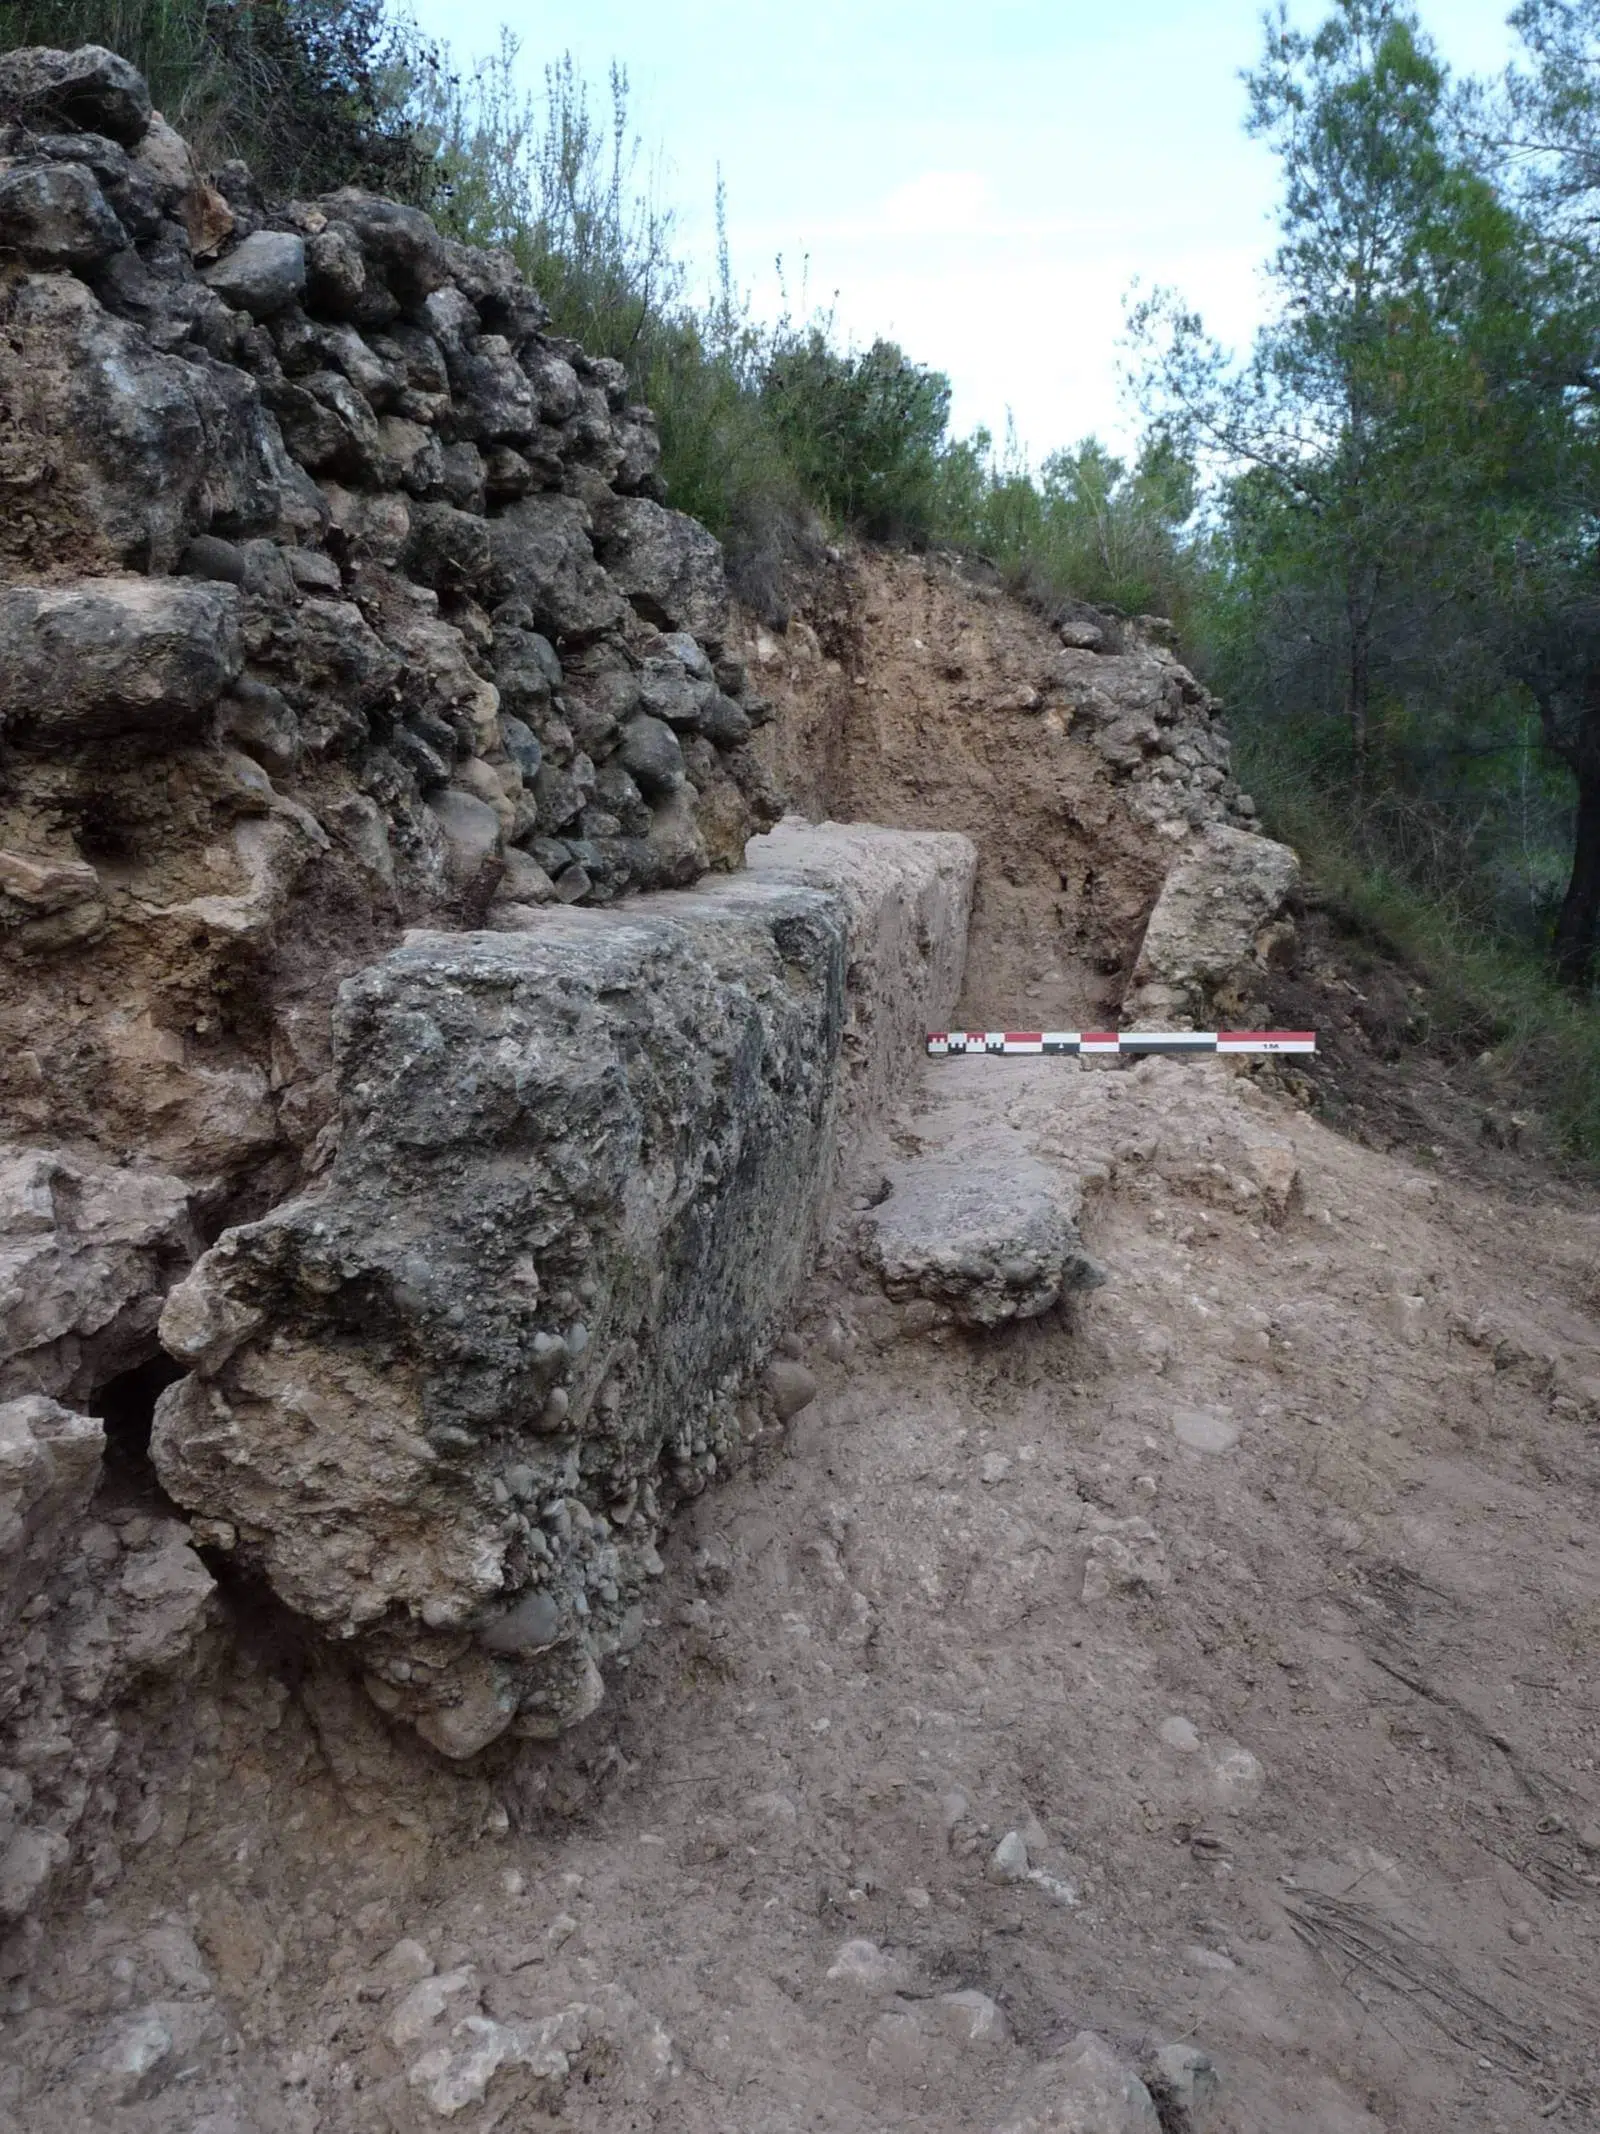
(1087, 527)
(311, 93)
(863, 430)
(1486, 994)
(1359, 447)
(1398, 587)
(558, 184)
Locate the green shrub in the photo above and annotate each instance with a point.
(1088, 527)
(1488, 990)
(862, 430)
(311, 93)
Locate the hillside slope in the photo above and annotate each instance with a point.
(1207, 1665)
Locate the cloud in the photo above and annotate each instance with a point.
(939, 203)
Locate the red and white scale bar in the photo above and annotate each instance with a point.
(945, 1043)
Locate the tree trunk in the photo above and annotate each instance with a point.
(1360, 601)
(1578, 928)
(1358, 696)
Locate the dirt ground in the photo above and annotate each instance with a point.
(1258, 1595)
(903, 702)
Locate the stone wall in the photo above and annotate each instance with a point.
(446, 1403)
(335, 593)
(361, 702)
(337, 596)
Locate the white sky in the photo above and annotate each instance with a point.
(980, 183)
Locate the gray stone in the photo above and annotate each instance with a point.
(48, 903)
(639, 443)
(668, 566)
(147, 448)
(314, 572)
(543, 559)
(90, 88)
(49, 1466)
(524, 880)
(533, 1625)
(472, 838)
(559, 797)
(329, 426)
(556, 383)
(523, 1113)
(411, 458)
(722, 721)
(262, 275)
(1209, 924)
(1204, 1429)
(1009, 1860)
(55, 215)
(791, 1385)
(1086, 2089)
(494, 402)
(128, 184)
(521, 745)
(336, 272)
(1184, 2083)
(690, 654)
(30, 1861)
(971, 2018)
(209, 557)
(113, 656)
(450, 550)
(652, 756)
(990, 1239)
(87, 1252)
(862, 1967)
(401, 243)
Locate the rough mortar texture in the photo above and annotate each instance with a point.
(446, 1402)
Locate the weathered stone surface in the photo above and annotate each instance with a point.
(1184, 2080)
(399, 243)
(113, 656)
(90, 87)
(55, 215)
(87, 1253)
(163, 157)
(667, 564)
(543, 557)
(471, 831)
(48, 904)
(131, 450)
(582, 1164)
(1209, 924)
(1086, 2089)
(908, 897)
(991, 1239)
(261, 275)
(49, 1465)
(521, 1305)
(652, 757)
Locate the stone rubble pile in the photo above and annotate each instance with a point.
(1120, 687)
(313, 480)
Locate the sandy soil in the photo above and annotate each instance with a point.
(912, 700)
(1259, 1596)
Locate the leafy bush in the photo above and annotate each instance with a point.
(1088, 527)
(311, 93)
(558, 184)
